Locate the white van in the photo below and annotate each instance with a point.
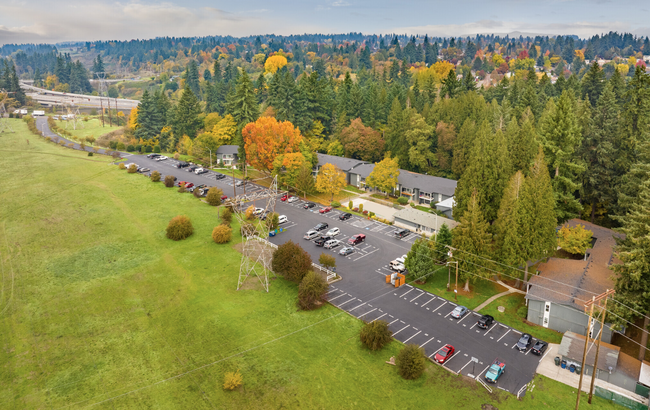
(282, 219)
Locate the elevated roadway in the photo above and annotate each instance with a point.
(49, 98)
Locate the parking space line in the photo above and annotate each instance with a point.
(357, 307)
(486, 367)
(427, 342)
(540, 360)
(337, 297)
(448, 314)
(392, 321)
(345, 302)
(463, 318)
(473, 326)
(418, 296)
(401, 330)
(436, 351)
(454, 355)
(504, 335)
(428, 302)
(366, 255)
(406, 293)
(379, 317)
(333, 290)
(359, 317)
(433, 311)
(412, 336)
(489, 330)
(461, 369)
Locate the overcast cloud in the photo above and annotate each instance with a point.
(42, 21)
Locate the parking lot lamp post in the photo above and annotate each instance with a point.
(456, 288)
(210, 157)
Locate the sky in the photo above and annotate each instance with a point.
(45, 21)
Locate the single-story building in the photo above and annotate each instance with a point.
(446, 206)
(227, 154)
(557, 295)
(421, 222)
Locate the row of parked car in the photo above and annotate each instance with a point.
(328, 239)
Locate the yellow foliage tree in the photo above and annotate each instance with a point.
(580, 54)
(185, 145)
(133, 118)
(232, 380)
(224, 131)
(434, 74)
(574, 240)
(211, 120)
(623, 69)
(330, 180)
(287, 167)
(497, 59)
(51, 82)
(259, 58)
(274, 63)
(384, 175)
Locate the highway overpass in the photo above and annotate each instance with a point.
(49, 98)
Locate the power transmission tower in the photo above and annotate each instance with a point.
(103, 88)
(73, 115)
(5, 124)
(256, 258)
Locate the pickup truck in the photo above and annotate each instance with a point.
(495, 371)
(398, 261)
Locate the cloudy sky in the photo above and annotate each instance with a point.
(85, 20)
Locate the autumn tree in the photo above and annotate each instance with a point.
(274, 63)
(225, 130)
(384, 175)
(287, 167)
(361, 142)
(574, 240)
(267, 138)
(305, 180)
(330, 180)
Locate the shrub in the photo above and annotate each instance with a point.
(232, 380)
(130, 148)
(327, 261)
(197, 193)
(272, 221)
(71, 145)
(365, 212)
(112, 144)
(177, 155)
(248, 230)
(90, 154)
(371, 214)
(291, 261)
(214, 196)
(249, 213)
(120, 146)
(226, 216)
(132, 169)
(156, 149)
(155, 176)
(138, 147)
(312, 291)
(336, 204)
(221, 234)
(402, 200)
(91, 140)
(181, 188)
(95, 150)
(523, 312)
(350, 205)
(82, 146)
(355, 209)
(121, 165)
(410, 362)
(413, 205)
(180, 227)
(376, 335)
(360, 207)
(148, 148)
(169, 181)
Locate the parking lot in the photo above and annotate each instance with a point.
(414, 316)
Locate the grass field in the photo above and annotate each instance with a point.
(98, 309)
(92, 127)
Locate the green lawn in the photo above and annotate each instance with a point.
(354, 189)
(98, 308)
(92, 127)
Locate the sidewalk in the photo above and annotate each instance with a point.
(497, 296)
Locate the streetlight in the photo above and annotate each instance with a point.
(449, 280)
(210, 157)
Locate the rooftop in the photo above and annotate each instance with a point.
(345, 164)
(427, 183)
(228, 149)
(430, 220)
(573, 345)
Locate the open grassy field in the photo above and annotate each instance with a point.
(92, 127)
(98, 309)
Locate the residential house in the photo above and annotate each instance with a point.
(227, 154)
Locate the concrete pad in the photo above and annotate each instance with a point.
(382, 211)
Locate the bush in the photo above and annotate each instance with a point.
(365, 212)
(232, 380)
(249, 213)
(336, 204)
(402, 200)
(312, 291)
(120, 146)
(197, 193)
(226, 216)
(132, 169)
(327, 261)
(176, 155)
(248, 230)
(130, 148)
(169, 181)
(413, 205)
(523, 312)
(148, 148)
(350, 205)
(156, 149)
(273, 221)
(355, 209)
(222, 234)
(155, 176)
(291, 261)
(181, 188)
(180, 227)
(112, 144)
(121, 165)
(138, 147)
(410, 362)
(360, 207)
(214, 196)
(371, 214)
(376, 335)
(90, 154)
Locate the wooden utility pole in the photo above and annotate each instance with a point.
(584, 353)
(101, 103)
(110, 116)
(600, 336)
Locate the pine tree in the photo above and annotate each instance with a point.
(561, 136)
(192, 78)
(450, 85)
(420, 261)
(472, 241)
(244, 110)
(186, 115)
(149, 121)
(618, 87)
(593, 83)
(395, 129)
(443, 241)
(522, 143)
(510, 240)
(597, 152)
(463, 146)
(19, 93)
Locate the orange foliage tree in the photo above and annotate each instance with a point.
(267, 138)
(362, 142)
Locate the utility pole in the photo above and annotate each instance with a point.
(600, 336)
(101, 103)
(234, 190)
(110, 116)
(584, 352)
(450, 254)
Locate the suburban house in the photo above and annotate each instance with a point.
(344, 164)
(557, 295)
(227, 154)
(421, 222)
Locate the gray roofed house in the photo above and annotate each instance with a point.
(227, 154)
(345, 164)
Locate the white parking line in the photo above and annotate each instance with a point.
(366, 255)
(345, 302)
(418, 296)
(433, 311)
(427, 341)
(407, 293)
(486, 367)
(356, 307)
(412, 336)
(489, 330)
(392, 321)
(461, 369)
(452, 356)
(379, 317)
(338, 297)
(540, 360)
(429, 301)
(436, 351)
(333, 290)
(473, 326)
(359, 317)
(504, 335)
(463, 318)
(449, 314)
(401, 330)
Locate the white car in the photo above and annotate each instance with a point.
(161, 158)
(332, 243)
(292, 199)
(258, 211)
(282, 219)
(399, 261)
(398, 267)
(333, 232)
(311, 234)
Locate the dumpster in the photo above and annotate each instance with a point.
(557, 360)
(281, 230)
(578, 368)
(563, 364)
(572, 368)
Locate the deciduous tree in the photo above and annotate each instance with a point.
(330, 180)
(361, 142)
(384, 175)
(267, 138)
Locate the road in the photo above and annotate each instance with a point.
(49, 98)
(415, 316)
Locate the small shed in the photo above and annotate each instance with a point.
(572, 348)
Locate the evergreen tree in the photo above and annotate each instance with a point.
(395, 129)
(463, 146)
(597, 152)
(186, 115)
(364, 58)
(207, 75)
(98, 65)
(522, 144)
(149, 122)
(593, 83)
(450, 85)
(192, 78)
(561, 136)
(618, 87)
(443, 241)
(244, 110)
(510, 239)
(216, 69)
(420, 261)
(37, 77)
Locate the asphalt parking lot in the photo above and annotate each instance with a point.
(413, 315)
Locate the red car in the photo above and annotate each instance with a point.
(187, 184)
(444, 354)
(284, 198)
(325, 210)
(356, 239)
(223, 198)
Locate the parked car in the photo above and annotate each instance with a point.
(459, 312)
(258, 211)
(153, 155)
(292, 198)
(524, 342)
(144, 169)
(192, 189)
(192, 168)
(308, 205)
(398, 267)
(282, 219)
(284, 197)
(495, 371)
(239, 183)
(321, 226)
(357, 239)
(325, 210)
(187, 184)
(220, 176)
(311, 234)
(485, 321)
(539, 348)
(182, 164)
(398, 261)
(332, 243)
(402, 233)
(345, 216)
(322, 240)
(444, 354)
(224, 197)
(200, 171)
(161, 158)
(346, 251)
(333, 232)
